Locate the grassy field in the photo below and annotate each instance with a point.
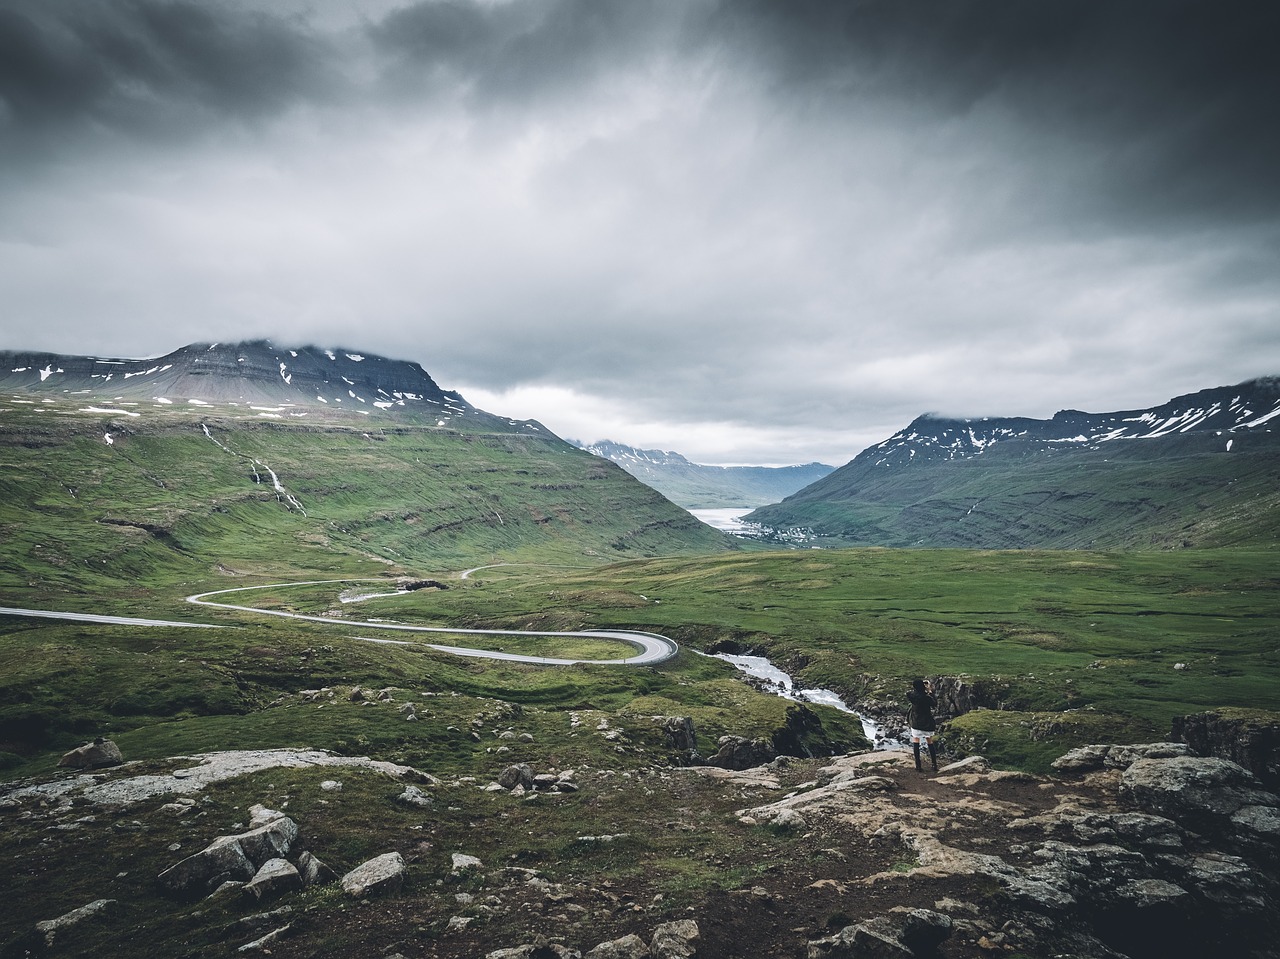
(1063, 648)
(1070, 645)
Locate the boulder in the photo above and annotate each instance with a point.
(628, 947)
(1199, 792)
(380, 875)
(874, 939)
(540, 948)
(274, 879)
(1101, 756)
(271, 840)
(223, 860)
(675, 940)
(313, 871)
(461, 862)
(680, 733)
(518, 775)
(738, 752)
(94, 755)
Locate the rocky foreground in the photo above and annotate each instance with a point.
(1138, 851)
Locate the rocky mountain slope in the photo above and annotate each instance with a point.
(696, 486)
(1195, 471)
(255, 377)
(1136, 851)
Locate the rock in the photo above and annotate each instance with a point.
(94, 755)
(924, 930)
(970, 764)
(262, 920)
(518, 775)
(1147, 894)
(1200, 792)
(1082, 759)
(221, 861)
(680, 733)
(538, 949)
(1251, 741)
(462, 862)
(380, 875)
(628, 947)
(414, 797)
(788, 820)
(545, 782)
(875, 939)
(313, 871)
(1098, 756)
(273, 839)
(51, 927)
(737, 752)
(331, 786)
(260, 815)
(675, 940)
(260, 945)
(275, 878)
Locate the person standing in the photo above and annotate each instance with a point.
(924, 728)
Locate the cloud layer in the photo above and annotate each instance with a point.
(752, 232)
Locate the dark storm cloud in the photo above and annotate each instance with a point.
(151, 68)
(762, 219)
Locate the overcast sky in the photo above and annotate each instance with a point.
(752, 232)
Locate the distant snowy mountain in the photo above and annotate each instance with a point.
(257, 378)
(1199, 470)
(695, 486)
(1229, 409)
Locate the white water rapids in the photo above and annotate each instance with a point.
(781, 684)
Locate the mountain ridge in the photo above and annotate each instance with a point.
(258, 376)
(699, 486)
(1153, 477)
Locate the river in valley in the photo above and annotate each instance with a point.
(781, 684)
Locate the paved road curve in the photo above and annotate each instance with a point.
(653, 647)
(97, 618)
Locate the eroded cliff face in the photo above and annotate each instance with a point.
(1252, 740)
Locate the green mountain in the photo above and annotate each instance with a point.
(247, 459)
(697, 486)
(1197, 471)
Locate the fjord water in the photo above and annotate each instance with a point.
(727, 520)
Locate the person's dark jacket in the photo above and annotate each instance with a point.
(920, 715)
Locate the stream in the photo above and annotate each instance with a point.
(780, 684)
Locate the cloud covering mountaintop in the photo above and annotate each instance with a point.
(751, 231)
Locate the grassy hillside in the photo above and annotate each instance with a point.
(172, 501)
(1177, 492)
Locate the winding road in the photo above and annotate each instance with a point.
(653, 648)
